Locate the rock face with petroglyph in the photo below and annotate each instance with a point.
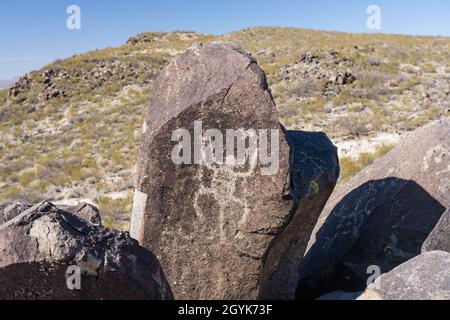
(224, 229)
(439, 238)
(382, 216)
(85, 211)
(39, 246)
(426, 277)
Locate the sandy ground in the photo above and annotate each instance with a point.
(353, 148)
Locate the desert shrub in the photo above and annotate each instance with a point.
(307, 88)
(428, 68)
(352, 166)
(375, 61)
(371, 85)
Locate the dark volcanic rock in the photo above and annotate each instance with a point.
(426, 277)
(340, 296)
(39, 245)
(439, 238)
(85, 211)
(382, 216)
(225, 231)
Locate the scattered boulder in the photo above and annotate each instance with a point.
(426, 277)
(49, 76)
(140, 39)
(85, 211)
(439, 238)
(341, 78)
(375, 61)
(40, 244)
(382, 216)
(309, 58)
(224, 231)
(12, 209)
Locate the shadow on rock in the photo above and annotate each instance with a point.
(381, 223)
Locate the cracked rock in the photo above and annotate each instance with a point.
(225, 231)
(40, 244)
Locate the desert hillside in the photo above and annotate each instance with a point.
(70, 131)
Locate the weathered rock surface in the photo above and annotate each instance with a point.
(85, 211)
(227, 231)
(426, 277)
(439, 238)
(382, 216)
(39, 244)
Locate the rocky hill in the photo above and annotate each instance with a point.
(70, 131)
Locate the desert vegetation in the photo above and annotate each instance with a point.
(70, 131)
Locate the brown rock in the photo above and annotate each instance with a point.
(40, 244)
(85, 211)
(426, 277)
(224, 231)
(382, 216)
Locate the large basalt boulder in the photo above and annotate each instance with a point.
(382, 216)
(439, 238)
(40, 246)
(227, 230)
(426, 277)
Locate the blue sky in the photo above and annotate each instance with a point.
(33, 33)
